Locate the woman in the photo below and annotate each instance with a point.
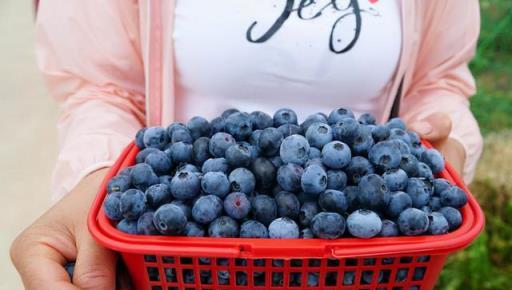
(117, 65)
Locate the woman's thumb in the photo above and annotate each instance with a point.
(95, 266)
(435, 127)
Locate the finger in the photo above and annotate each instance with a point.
(435, 127)
(95, 266)
(40, 265)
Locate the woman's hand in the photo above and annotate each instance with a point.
(436, 128)
(61, 235)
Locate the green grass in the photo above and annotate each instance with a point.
(486, 264)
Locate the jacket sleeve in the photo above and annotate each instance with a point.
(442, 81)
(89, 53)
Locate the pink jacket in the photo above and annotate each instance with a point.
(110, 66)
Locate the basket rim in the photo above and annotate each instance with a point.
(108, 236)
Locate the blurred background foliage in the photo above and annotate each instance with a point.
(487, 263)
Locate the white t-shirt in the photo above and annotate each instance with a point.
(268, 54)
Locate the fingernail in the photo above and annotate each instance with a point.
(423, 128)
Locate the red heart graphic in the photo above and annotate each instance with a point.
(373, 1)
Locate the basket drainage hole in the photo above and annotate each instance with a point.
(333, 263)
(188, 276)
(348, 278)
(186, 261)
(156, 288)
(277, 279)
(168, 260)
(313, 278)
(367, 277)
(405, 260)
(223, 277)
(350, 262)
(419, 273)
(331, 278)
(150, 258)
(259, 278)
(401, 275)
(384, 276)
(423, 259)
(295, 279)
(241, 279)
(369, 261)
(153, 274)
(314, 263)
(170, 275)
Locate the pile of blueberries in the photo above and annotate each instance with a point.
(256, 176)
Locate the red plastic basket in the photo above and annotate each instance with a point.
(398, 263)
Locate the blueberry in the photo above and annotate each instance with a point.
(314, 153)
(237, 205)
(264, 209)
(313, 279)
(289, 129)
(417, 150)
(425, 171)
(306, 197)
(289, 177)
(367, 119)
(133, 203)
(260, 120)
(307, 211)
(219, 143)
(389, 229)
(328, 225)
(193, 229)
(401, 146)
(216, 183)
(398, 202)
(397, 133)
(409, 164)
(270, 141)
(287, 205)
(339, 114)
(173, 127)
(362, 142)
(119, 183)
(155, 137)
(380, 133)
(438, 224)
(426, 209)
(141, 156)
(255, 137)
(182, 152)
(396, 123)
(165, 179)
(239, 125)
(316, 161)
(238, 156)
(283, 228)
(200, 150)
(253, 150)
(396, 179)
(145, 224)
(242, 180)
(420, 190)
(364, 224)
(276, 161)
(207, 208)
(453, 217)
(453, 197)
(319, 134)
(139, 138)
(125, 171)
(185, 185)
(188, 167)
(217, 125)
(346, 130)
(158, 194)
(415, 138)
(373, 192)
(181, 135)
(440, 185)
(187, 210)
(159, 161)
(112, 206)
(357, 168)
(333, 201)
(215, 164)
(284, 116)
(294, 149)
(435, 203)
(306, 233)
(198, 127)
(253, 229)
(336, 155)
(352, 193)
(433, 159)
(336, 179)
(228, 112)
(264, 171)
(314, 179)
(169, 219)
(385, 155)
(127, 226)
(223, 227)
(312, 119)
(413, 222)
(70, 269)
